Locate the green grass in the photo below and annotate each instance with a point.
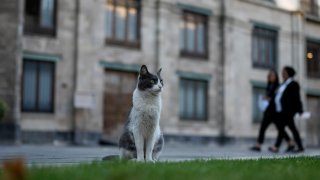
(305, 168)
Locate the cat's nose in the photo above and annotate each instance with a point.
(160, 87)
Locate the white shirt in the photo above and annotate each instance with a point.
(279, 94)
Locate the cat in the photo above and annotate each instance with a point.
(142, 138)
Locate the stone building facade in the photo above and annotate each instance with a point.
(68, 68)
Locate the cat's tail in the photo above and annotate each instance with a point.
(111, 157)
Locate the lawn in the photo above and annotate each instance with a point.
(304, 168)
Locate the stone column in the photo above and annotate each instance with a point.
(298, 58)
(10, 67)
(87, 110)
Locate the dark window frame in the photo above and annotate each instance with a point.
(206, 103)
(311, 8)
(313, 71)
(199, 18)
(126, 42)
(36, 29)
(37, 110)
(262, 34)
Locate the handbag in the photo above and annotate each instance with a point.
(263, 103)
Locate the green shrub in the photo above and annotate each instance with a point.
(3, 108)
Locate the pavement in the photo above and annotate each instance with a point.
(66, 155)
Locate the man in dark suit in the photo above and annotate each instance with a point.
(288, 103)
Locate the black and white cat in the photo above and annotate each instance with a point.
(142, 138)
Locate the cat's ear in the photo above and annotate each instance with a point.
(143, 70)
(158, 73)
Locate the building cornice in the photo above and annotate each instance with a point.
(120, 67)
(41, 56)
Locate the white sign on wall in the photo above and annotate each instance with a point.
(84, 100)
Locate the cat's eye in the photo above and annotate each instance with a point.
(161, 81)
(152, 81)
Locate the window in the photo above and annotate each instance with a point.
(123, 22)
(37, 86)
(40, 17)
(193, 35)
(264, 48)
(311, 7)
(256, 112)
(193, 99)
(313, 59)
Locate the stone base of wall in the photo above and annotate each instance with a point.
(60, 137)
(8, 133)
(87, 138)
(45, 137)
(200, 140)
(205, 140)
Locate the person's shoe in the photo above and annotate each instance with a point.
(273, 149)
(255, 148)
(290, 148)
(299, 150)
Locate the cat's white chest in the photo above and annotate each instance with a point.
(145, 114)
(150, 113)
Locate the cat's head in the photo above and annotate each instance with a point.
(150, 82)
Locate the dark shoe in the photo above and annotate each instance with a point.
(255, 148)
(290, 148)
(299, 150)
(273, 149)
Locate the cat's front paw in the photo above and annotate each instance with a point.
(133, 160)
(139, 160)
(150, 160)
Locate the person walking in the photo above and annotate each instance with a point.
(288, 103)
(270, 112)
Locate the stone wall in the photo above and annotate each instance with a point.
(80, 44)
(61, 46)
(242, 15)
(172, 62)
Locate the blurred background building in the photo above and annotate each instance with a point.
(68, 68)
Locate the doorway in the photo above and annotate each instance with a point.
(118, 89)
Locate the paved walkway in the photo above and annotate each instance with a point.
(63, 155)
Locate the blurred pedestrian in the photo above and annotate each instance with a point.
(288, 103)
(270, 112)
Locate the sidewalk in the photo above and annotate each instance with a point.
(64, 155)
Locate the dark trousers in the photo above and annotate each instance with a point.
(268, 118)
(282, 122)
